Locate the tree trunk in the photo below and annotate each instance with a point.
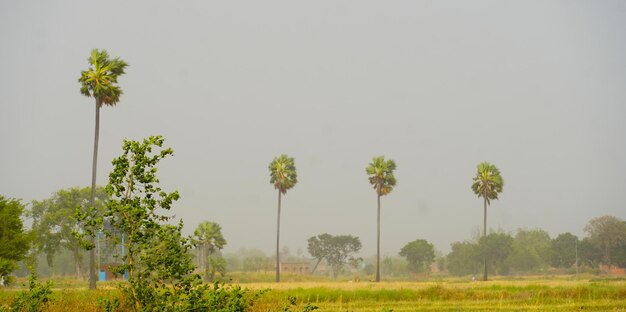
(77, 263)
(198, 258)
(608, 258)
(278, 242)
(94, 166)
(316, 264)
(210, 270)
(485, 239)
(378, 239)
(205, 262)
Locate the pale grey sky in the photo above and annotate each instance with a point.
(536, 87)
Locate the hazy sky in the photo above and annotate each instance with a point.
(536, 87)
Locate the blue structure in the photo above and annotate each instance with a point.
(102, 273)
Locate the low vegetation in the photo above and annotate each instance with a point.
(563, 293)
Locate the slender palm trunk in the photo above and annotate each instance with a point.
(485, 239)
(92, 253)
(278, 242)
(378, 241)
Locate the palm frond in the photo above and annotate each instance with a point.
(100, 79)
(283, 174)
(488, 182)
(380, 172)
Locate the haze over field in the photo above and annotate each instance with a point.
(536, 88)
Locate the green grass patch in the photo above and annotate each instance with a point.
(539, 294)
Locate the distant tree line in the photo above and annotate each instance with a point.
(533, 251)
(522, 252)
(526, 251)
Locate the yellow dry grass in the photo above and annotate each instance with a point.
(538, 293)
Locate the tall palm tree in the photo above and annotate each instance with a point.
(208, 237)
(487, 184)
(100, 82)
(283, 176)
(380, 172)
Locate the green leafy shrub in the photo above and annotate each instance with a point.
(35, 299)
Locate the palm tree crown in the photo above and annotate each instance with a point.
(381, 175)
(209, 234)
(283, 173)
(488, 182)
(100, 80)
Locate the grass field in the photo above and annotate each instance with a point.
(520, 294)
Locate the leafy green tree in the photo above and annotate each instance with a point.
(499, 247)
(380, 174)
(216, 264)
(342, 251)
(55, 221)
(338, 250)
(14, 239)
(487, 184)
(318, 248)
(465, 258)
(620, 254)
(590, 255)
(100, 82)
(607, 233)
(156, 254)
(531, 250)
(563, 250)
(283, 176)
(419, 254)
(209, 240)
